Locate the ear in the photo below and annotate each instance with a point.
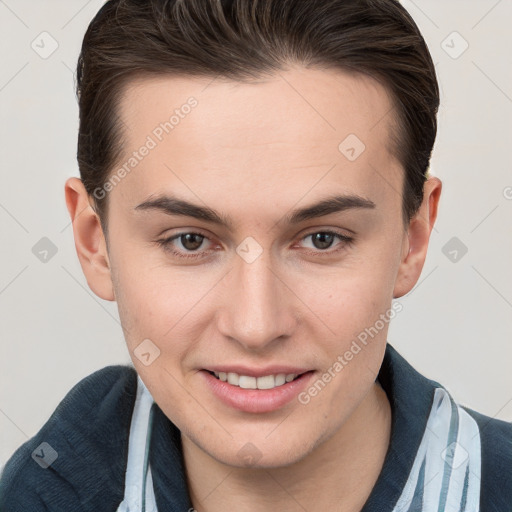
(90, 241)
(417, 237)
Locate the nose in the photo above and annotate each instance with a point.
(258, 307)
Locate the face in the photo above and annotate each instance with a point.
(257, 283)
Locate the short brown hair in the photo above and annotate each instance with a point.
(244, 39)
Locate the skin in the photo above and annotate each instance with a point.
(256, 151)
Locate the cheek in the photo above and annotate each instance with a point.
(162, 304)
(355, 309)
(144, 308)
(351, 299)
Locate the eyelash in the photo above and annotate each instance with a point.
(165, 243)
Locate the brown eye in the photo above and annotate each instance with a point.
(322, 240)
(187, 244)
(191, 241)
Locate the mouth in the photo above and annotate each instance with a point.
(250, 382)
(256, 394)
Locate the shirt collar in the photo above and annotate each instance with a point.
(410, 395)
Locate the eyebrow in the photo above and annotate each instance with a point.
(178, 207)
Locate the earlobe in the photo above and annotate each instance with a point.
(90, 241)
(417, 238)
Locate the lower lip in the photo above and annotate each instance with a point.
(257, 400)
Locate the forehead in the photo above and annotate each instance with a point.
(300, 130)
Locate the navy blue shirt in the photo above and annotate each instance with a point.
(90, 428)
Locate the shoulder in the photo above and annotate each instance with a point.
(496, 457)
(82, 445)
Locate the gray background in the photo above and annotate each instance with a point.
(456, 325)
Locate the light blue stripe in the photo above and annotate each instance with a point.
(146, 456)
(452, 437)
(417, 499)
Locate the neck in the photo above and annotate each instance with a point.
(339, 474)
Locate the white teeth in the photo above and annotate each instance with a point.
(233, 378)
(247, 382)
(280, 379)
(266, 382)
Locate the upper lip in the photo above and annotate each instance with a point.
(257, 372)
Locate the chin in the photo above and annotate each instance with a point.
(260, 453)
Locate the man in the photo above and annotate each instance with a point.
(254, 195)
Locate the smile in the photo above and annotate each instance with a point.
(266, 392)
(249, 382)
